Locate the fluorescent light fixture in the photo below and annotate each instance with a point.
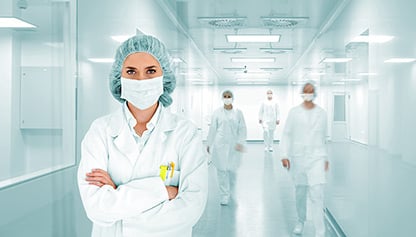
(351, 79)
(400, 60)
(276, 50)
(199, 80)
(252, 83)
(230, 50)
(252, 80)
(366, 74)
(120, 38)
(336, 60)
(101, 60)
(13, 22)
(252, 60)
(253, 38)
(372, 39)
(317, 73)
(271, 69)
(338, 83)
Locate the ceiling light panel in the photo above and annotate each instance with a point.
(253, 60)
(120, 38)
(276, 50)
(336, 60)
(101, 60)
(13, 22)
(230, 50)
(253, 38)
(372, 39)
(400, 60)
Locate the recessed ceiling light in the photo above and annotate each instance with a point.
(13, 22)
(252, 60)
(252, 80)
(317, 73)
(230, 50)
(336, 60)
(372, 39)
(400, 60)
(338, 83)
(101, 60)
(252, 83)
(276, 50)
(253, 38)
(271, 69)
(366, 74)
(120, 38)
(351, 79)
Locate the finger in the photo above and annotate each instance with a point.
(100, 174)
(96, 184)
(97, 179)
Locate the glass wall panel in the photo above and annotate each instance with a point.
(38, 84)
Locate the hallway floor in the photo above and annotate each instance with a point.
(263, 202)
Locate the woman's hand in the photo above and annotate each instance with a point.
(239, 147)
(99, 178)
(286, 163)
(172, 192)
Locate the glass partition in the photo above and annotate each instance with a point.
(38, 89)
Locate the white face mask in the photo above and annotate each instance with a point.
(308, 97)
(227, 101)
(142, 93)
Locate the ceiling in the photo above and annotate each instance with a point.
(193, 29)
(195, 32)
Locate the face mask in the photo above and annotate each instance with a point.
(308, 97)
(227, 101)
(142, 93)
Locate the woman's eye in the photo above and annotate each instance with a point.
(130, 72)
(151, 71)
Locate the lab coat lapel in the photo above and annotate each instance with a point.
(156, 144)
(122, 137)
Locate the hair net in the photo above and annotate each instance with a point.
(228, 92)
(312, 83)
(147, 44)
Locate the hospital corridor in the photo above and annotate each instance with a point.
(215, 118)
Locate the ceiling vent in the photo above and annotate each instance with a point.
(283, 22)
(223, 22)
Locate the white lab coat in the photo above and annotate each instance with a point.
(269, 114)
(304, 143)
(227, 129)
(140, 206)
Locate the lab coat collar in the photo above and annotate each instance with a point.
(125, 142)
(166, 123)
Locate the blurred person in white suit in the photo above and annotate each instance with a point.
(269, 119)
(226, 138)
(304, 154)
(143, 171)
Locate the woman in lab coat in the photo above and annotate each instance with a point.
(226, 136)
(304, 154)
(142, 170)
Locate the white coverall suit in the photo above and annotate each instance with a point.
(227, 129)
(140, 205)
(303, 143)
(269, 115)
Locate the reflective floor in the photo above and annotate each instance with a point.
(262, 202)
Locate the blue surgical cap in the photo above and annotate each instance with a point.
(147, 44)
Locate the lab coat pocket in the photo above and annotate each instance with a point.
(173, 178)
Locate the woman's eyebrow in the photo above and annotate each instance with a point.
(130, 67)
(150, 66)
